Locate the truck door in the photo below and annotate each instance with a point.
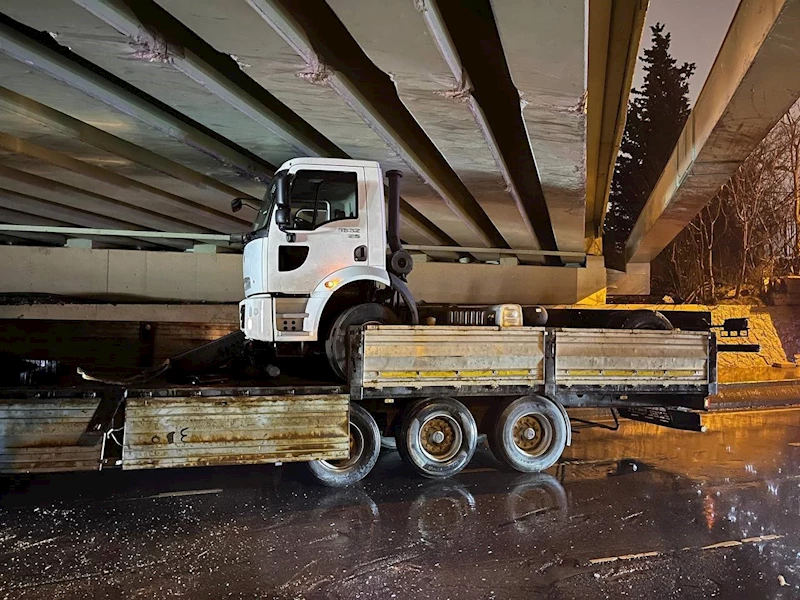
(328, 226)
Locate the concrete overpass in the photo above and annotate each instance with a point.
(126, 114)
(752, 84)
(506, 116)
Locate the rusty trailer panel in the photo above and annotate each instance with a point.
(237, 429)
(396, 356)
(48, 434)
(603, 357)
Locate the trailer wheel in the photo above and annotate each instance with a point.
(530, 434)
(438, 437)
(365, 445)
(360, 314)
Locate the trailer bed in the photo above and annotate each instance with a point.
(160, 425)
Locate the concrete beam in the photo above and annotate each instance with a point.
(545, 43)
(273, 64)
(190, 211)
(428, 88)
(334, 58)
(42, 229)
(116, 275)
(43, 54)
(615, 31)
(635, 281)
(122, 275)
(79, 130)
(148, 25)
(13, 217)
(209, 239)
(67, 195)
(752, 84)
(68, 215)
(485, 81)
(525, 284)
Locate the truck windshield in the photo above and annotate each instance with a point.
(267, 204)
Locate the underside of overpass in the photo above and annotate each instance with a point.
(505, 117)
(751, 86)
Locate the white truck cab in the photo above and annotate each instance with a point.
(317, 249)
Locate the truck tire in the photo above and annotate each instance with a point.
(530, 434)
(438, 437)
(365, 445)
(338, 336)
(647, 319)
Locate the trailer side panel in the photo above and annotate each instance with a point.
(48, 434)
(638, 357)
(224, 430)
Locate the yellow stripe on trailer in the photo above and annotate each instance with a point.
(673, 373)
(514, 373)
(485, 373)
(397, 374)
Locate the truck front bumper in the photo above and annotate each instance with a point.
(256, 316)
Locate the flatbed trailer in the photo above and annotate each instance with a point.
(432, 388)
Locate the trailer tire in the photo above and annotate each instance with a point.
(365, 445)
(530, 434)
(647, 319)
(438, 437)
(338, 336)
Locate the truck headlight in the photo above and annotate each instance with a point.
(508, 315)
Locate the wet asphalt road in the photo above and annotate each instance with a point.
(643, 512)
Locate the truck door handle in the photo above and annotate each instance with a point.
(360, 254)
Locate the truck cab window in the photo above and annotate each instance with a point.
(319, 197)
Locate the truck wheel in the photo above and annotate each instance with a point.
(360, 314)
(530, 434)
(438, 437)
(647, 319)
(365, 445)
(388, 443)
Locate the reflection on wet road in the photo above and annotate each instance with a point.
(643, 512)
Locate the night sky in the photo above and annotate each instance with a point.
(698, 28)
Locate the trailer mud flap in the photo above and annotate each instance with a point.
(666, 417)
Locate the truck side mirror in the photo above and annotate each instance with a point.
(282, 216)
(236, 204)
(281, 191)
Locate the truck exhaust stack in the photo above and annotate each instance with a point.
(393, 225)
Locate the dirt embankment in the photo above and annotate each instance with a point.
(775, 328)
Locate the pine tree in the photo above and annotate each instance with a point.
(656, 115)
